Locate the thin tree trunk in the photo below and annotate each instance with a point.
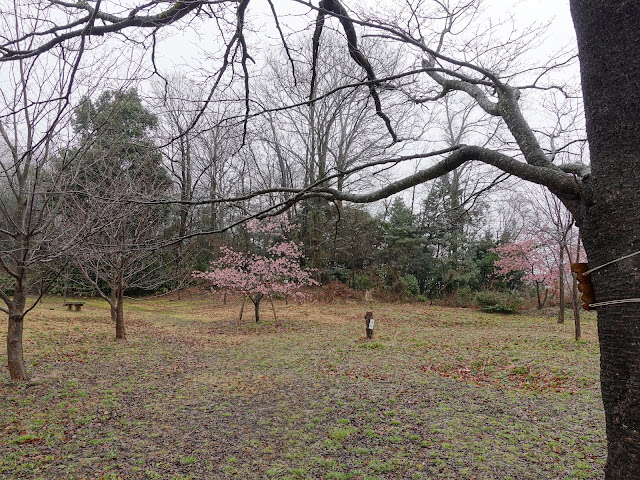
(576, 307)
(576, 304)
(561, 286)
(113, 295)
(244, 299)
(256, 306)
(273, 307)
(541, 300)
(120, 332)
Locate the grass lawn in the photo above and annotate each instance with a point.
(193, 393)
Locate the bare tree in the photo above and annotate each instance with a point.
(119, 161)
(124, 254)
(33, 123)
(200, 164)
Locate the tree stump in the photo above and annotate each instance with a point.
(369, 321)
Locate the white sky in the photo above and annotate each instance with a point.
(531, 11)
(182, 48)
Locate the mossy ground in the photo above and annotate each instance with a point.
(193, 393)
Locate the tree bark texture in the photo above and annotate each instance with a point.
(609, 216)
(576, 308)
(120, 331)
(15, 357)
(575, 296)
(561, 286)
(541, 300)
(256, 305)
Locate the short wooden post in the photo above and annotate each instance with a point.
(369, 321)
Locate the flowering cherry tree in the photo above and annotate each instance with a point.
(536, 261)
(272, 265)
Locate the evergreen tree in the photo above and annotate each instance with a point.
(451, 229)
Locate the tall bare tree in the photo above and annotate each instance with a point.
(33, 133)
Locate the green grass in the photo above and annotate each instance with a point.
(193, 393)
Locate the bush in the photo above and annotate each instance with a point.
(362, 282)
(498, 302)
(340, 274)
(337, 291)
(463, 297)
(412, 287)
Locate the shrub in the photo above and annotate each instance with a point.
(462, 297)
(362, 282)
(498, 302)
(340, 274)
(337, 291)
(412, 287)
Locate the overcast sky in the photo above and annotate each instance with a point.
(181, 47)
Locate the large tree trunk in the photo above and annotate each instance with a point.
(609, 217)
(15, 357)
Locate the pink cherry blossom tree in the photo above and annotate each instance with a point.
(535, 260)
(271, 265)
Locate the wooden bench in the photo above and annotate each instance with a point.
(76, 305)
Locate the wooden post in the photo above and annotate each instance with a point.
(369, 321)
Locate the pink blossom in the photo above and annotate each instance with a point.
(277, 271)
(534, 260)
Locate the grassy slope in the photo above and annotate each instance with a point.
(439, 393)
